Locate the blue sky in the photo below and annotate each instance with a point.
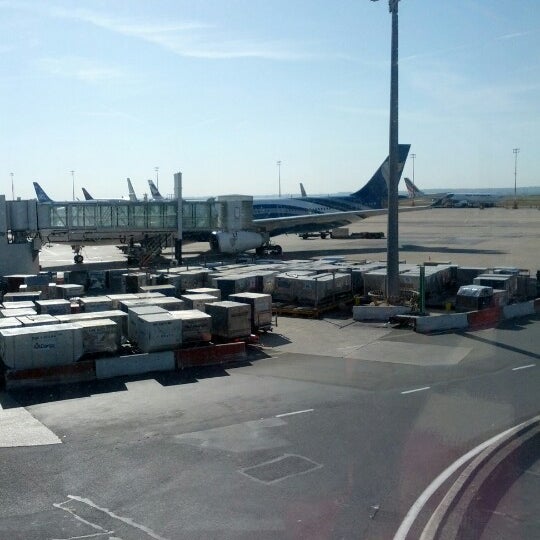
(222, 89)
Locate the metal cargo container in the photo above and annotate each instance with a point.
(10, 322)
(17, 312)
(119, 317)
(473, 298)
(99, 336)
(115, 282)
(466, 274)
(230, 319)
(133, 317)
(38, 320)
(166, 302)
(198, 301)
(265, 281)
(500, 297)
(29, 296)
(189, 279)
(97, 281)
(196, 325)
(19, 305)
(166, 290)
(69, 290)
(231, 284)
(261, 308)
(284, 287)
(132, 282)
(117, 298)
(158, 332)
(91, 304)
(40, 346)
(14, 281)
(323, 287)
(357, 275)
(205, 290)
(498, 281)
(53, 307)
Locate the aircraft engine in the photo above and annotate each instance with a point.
(235, 242)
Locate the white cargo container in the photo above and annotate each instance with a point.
(261, 308)
(38, 320)
(91, 304)
(158, 332)
(117, 298)
(53, 307)
(206, 290)
(230, 319)
(40, 346)
(17, 312)
(198, 301)
(10, 322)
(133, 317)
(166, 290)
(23, 304)
(166, 302)
(196, 325)
(69, 290)
(99, 336)
(119, 317)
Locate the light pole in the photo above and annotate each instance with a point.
(157, 176)
(12, 187)
(279, 177)
(73, 184)
(392, 246)
(413, 157)
(516, 152)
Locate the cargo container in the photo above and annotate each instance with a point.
(473, 298)
(23, 304)
(312, 290)
(132, 282)
(261, 308)
(14, 281)
(10, 322)
(198, 301)
(237, 283)
(117, 298)
(196, 325)
(30, 296)
(38, 320)
(99, 336)
(166, 302)
(507, 282)
(53, 307)
(500, 297)
(69, 290)
(166, 290)
(133, 317)
(91, 304)
(205, 290)
(40, 346)
(230, 319)
(466, 274)
(158, 332)
(119, 317)
(17, 312)
(97, 281)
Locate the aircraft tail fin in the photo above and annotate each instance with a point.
(132, 195)
(412, 189)
(302, 190)
(375, 192)
(156, 195)
(40, 193)
(87, 196)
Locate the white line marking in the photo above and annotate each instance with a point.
(523, 367)
(416, 390)
(294, 412)
(416, 508)
(126, 520)
(79, 518)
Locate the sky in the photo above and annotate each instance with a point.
(222, 89)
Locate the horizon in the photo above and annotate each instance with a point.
(222, 91)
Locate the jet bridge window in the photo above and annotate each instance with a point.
(155, 217)
(58, 216)
(136, 218)
(105, 216)
(170, 216)
(122, 216)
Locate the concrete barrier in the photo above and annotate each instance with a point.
(438, 323)
(134, 364)
(71, 373)
(210, 355)
(378, 313)
(519, 310)
(485, 317)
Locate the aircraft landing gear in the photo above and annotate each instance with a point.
(269, 250)
(78, 258)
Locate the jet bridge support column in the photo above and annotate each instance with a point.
(179, 217)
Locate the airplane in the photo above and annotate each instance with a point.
(412, 190)
(470, 200)
(154, 191)
(302, 190)
(373, 195)
(132, 195)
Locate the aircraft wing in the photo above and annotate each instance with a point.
(318, 222)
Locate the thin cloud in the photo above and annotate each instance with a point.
(81, 69)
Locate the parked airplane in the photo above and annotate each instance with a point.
(373, 195)
(154, 191)
(468, 200)
(132, 195)
(412, 190)
(302, 190)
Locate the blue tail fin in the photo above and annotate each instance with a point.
(375, 192)
(87, 196)
(40, 194)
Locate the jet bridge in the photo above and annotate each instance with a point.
(151, 224)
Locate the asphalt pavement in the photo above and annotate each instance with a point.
(306, 440)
